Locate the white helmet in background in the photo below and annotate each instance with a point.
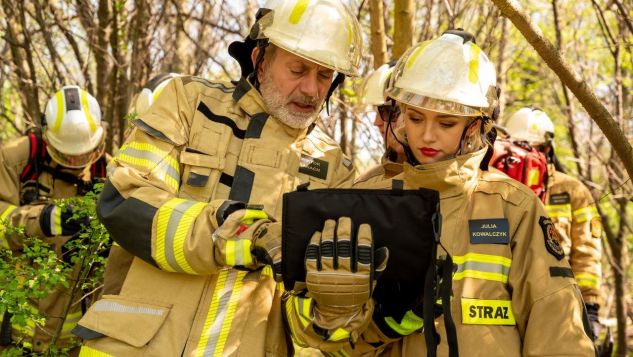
(531, 125)
(73, 132)
(450, 74)
(151, 91)
(322, 31)
(373, 88)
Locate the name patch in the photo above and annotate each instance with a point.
(489, 231)
(559, 199)
(313, 167)
(487, 312)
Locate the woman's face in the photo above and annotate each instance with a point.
(434, 136)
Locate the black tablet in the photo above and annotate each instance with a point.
(405, 221)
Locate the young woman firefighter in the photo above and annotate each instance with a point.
(513, 293)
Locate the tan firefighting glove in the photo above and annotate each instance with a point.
(248, 238)
(341, 275)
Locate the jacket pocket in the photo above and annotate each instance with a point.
(127, 320)
(200, 175)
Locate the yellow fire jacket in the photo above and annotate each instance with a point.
(14, 157)
(386, 170)
(571, 207)
(200, 144)
(513, 293)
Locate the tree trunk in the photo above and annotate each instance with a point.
(404, 10)
(501, 66)
(378, 41)
(569, 109)
(140, 38)
(571, 79)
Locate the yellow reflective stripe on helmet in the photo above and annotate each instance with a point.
(151, 158)
(297, 11)
(416, 53)
(3, 216)
(487, 312)
(86, 108)
(59, 96)
(173, 226)
(586, 214)
(251, 215)
(588, 280)
(217, 324)
(473, 65)
(409, 324)
(87, 351)
(238, 252)
(559, 211)
(482, 266)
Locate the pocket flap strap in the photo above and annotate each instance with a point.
(132, 322)
(195, 159)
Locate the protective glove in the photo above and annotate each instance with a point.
(594, 321)
(244, 240)
(58, 221)
(341, 273)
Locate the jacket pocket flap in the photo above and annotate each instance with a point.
(130, 321)
(195, 159)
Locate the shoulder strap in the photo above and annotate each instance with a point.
(37, 157)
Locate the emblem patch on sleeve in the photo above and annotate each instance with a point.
(552, 241)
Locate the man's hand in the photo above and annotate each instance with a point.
(58, 221)
(341, 274)
(233, 240)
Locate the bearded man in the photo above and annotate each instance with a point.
(194, 190)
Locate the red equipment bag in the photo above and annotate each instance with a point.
(523, 163)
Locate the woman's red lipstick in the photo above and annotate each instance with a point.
(430, 152)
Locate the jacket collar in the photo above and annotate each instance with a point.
(449, 177)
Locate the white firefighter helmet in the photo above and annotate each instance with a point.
(373, 88)
(531, 125)
(151, 91)
(450, 74)
(73, 132)
(322, 31)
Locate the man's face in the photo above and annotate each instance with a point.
(293, 88)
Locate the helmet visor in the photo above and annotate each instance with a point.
(76, 161)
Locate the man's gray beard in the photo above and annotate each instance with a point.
(277, 105)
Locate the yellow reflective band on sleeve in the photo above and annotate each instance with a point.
(586, 214)
(482, 266)
(56, 222)
(338, 335)
(409, 324)
(487, 312)
(251, 215)
(153, 159)
(217, 325)
(297, 11)
(290, 316)
(303, 307)
(3, 217)
(86, 108)
(71, 321)
(173, 226)
(238, 252)
(559, 211)
(588, 280)
(59, 96)
(91, 352)
(473, 65)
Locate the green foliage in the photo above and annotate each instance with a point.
(40, 270)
